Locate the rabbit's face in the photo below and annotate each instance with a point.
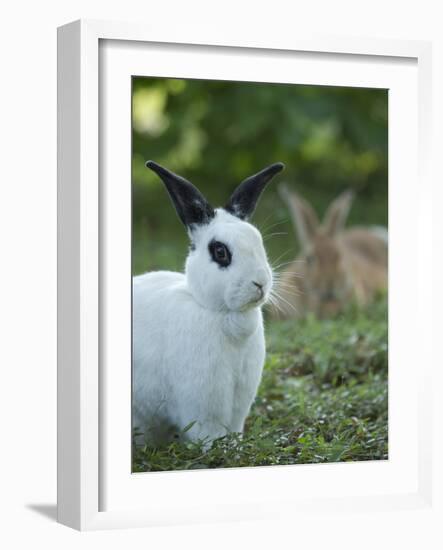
(227, 268)
(326, 280)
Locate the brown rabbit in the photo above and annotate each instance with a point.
(336, 266)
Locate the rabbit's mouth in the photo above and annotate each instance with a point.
(254, 302)
(261, 299)
(260, 291)
(247, 295)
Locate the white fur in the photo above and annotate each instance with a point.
(198, 339)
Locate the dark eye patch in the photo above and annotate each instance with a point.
(220, 253)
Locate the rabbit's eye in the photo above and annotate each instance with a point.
(220, 253)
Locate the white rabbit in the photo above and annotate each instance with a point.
(198, 338)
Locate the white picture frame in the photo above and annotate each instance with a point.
(83, 258)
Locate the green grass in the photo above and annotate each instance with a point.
(323, 398)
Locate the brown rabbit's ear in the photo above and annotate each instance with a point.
(337, 213)
(303, 216)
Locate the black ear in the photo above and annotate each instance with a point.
(192, 207)
(244, 199)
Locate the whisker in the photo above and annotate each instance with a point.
(283, 264)
(278, 308)
(292, 262)
(274, 303)
(278, 276)
(267, 237)
(274, 224)
(282, 255)
(290, 290)
(279, 297)
(262, 227)
(284, 283)
(286, 287)
(274, 298)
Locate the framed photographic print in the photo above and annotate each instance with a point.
(240, 283)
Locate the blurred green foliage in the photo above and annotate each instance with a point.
(216, 133)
